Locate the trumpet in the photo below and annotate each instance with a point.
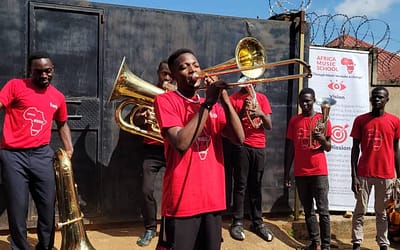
(256, 122)
(251, 60)
(320, 126)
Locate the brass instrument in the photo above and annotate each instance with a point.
(251, 60)
(256, 122)
(139, 93)
(321, 124)
(71, 218)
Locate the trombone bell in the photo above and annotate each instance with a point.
(251, 60)
(250, 53)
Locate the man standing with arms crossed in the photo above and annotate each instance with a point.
(377, 135)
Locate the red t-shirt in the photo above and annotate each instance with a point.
(254, 137)
(307, 162)
(29, 114)
(194, 182)
(376, 135)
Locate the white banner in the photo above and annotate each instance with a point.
(342, 75)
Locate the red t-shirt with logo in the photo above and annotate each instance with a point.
(194, 182)
(254, 137)
(29, 114)
(376, 135)
(307, 162)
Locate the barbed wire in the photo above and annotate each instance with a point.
(367, 33)
(285, 6)
(331, 30)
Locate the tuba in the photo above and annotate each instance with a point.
(71, 225)
(139, 93)
(321, 124)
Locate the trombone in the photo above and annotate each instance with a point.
(251, 60)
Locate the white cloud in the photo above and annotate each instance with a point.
(369, 8)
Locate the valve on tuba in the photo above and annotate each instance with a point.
(321, 124)
(71, 218)
(139, 93)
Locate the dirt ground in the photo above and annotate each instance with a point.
(124, 236)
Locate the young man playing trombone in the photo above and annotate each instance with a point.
(193, 193)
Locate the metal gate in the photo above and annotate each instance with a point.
(76, 43)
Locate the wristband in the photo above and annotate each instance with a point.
(206, 106)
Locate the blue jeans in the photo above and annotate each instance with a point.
(316, 188)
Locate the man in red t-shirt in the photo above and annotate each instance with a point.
(193, 193)
(248, 160)
(306, 146)
(377, 134)
(31, 105)
(153, 160)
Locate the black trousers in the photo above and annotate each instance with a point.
(248, 164)
(29, 171)
(153, 162)
(316, 188)
(199, 232)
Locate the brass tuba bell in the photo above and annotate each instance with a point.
(320, 127)
(71, 218)
(139, 93)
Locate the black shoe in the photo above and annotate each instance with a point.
(236, 231)
(383, 248)
(262, 231)
(147, 236)
(356, 246)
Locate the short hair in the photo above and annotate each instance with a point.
(164, 61)
(307, 91)
(37, 55)
(380, 88)
(172, 58)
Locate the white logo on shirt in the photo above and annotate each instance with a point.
(37, 119)
(213, 115)
(375, 138)
(54, 106)
(203, 142)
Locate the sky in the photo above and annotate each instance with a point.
(379, 13)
